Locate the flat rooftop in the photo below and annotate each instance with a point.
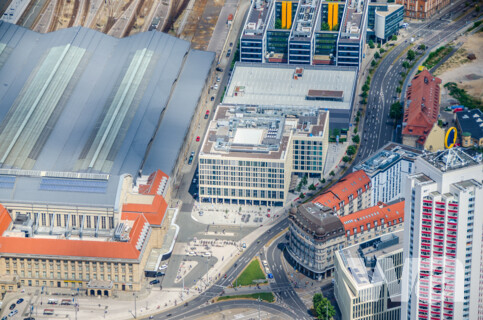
(257, 19)
(352, 24)
(390, 9)
(259, 131)
(387, 156)
(82, 107)
(358, 258)
(451, 159)
(305, 20)
(256, 84)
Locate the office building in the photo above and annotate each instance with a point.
(388, 169)
(384, 21)
(421, 110)
(304, 32)
(315, 233)
(422, 9)
(367, 278)
(352, 193)
(470, 127)
(249, 153)
(319, 87)
(373, 222)
(443, 237)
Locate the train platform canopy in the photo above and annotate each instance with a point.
(79, 109)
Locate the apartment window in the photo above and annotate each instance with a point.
(88, 220)
(73, 220)
(103, 222)
(59, 220)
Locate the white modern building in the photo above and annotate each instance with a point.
(443, 233)
(388, 169)
(367, 278)
(249, 153)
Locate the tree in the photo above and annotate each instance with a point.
(365, 87)
(406, 65)
(278, 24)
(302, 195)
(364, 94)
(394, 37)
(355, 130)
(477, 8)
(312, 187)
(351, 150)
(398, 90)
(322, 307)
(411, 55)
(346, 159)
(373, 63)
(396, 111)
(356, 139)
(382, 50)
(332, 173)
(336, 132)
(422, 46)
(378, 45)
(325, 26)
(304, 180)
(322, 180)
(377, 55)
(371, 44)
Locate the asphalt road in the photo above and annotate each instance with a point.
(378, 128)
(282, 287)
(238, 304)
(194, 306)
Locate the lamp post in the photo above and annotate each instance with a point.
(135, 310)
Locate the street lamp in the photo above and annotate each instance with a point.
(135, 310)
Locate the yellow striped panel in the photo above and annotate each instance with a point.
(329, 20)
(284, 14)
(335, 16)
(289, 14)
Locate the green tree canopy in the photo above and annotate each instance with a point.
(371, 44)
(312, 187)
(394, 37)
(324, 26)
(422, 46)
(365, 87)
(346, 159)
(405, 65)
(411, 55)
(377, 55)
(322, 307)
(278, 24)
(351, 150)
(396, 111)
(356, 139)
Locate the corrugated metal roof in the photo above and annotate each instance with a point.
(98, 114)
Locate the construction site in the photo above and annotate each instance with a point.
(190, 20)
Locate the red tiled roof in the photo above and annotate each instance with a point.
(343, 189)
(77, 248)
(423, 109)
(141, 214)
(154, 212)
(153, 183)
(361, 218)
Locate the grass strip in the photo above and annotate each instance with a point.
(264, 296)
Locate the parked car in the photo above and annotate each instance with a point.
(160, 274)
(219, 69)
(228, 53)
(12, 306)
(207, 113)
(213, 98)
(14, 312)
(192, 155)
(19, 301)
(153, 282)
(164, 266)
(198, 139)
(231, 44)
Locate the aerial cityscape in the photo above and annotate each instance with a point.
(241, 159)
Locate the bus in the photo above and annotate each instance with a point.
(48, 312)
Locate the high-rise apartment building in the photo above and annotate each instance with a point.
(443, 235)
(388, 169)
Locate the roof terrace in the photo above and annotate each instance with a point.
(257, 19)
(305, 19)
(352, 22)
